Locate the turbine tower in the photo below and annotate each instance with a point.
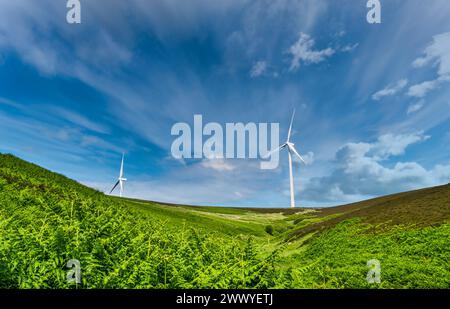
(121, 180)
(291, 151)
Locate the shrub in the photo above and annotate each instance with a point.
(269, 229)
(298, 220)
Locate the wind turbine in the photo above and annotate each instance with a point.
(291, 151)
(120, 180)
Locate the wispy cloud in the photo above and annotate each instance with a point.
(221, 165)
(79, 120)
(303, 51)
(349, 48)
(390, 90)
(94, 141)
(422, 89)
(415, 107)
(9, 103)
(49, 135)
(258, 69)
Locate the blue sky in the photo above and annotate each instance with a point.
(372, 101)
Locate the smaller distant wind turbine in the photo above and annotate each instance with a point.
(291, 150)
(120, 180)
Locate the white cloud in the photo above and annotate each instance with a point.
(390, 90)
(258, 69)
(238, 194)
(442, 173)
(218, 164)
(437, 53)
(198, 185)
(198, 192)
(394, 145)
(349, 48)
(309, 158)
(302, 51)
(360, 171)
(422, 89)
(415, 107)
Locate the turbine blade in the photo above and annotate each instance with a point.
(296, 153)
(114, 186)
(290, 127)
(121, 167)
(273, 151)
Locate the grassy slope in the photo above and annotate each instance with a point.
(47, 219)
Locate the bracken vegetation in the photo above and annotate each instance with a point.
(47, 219)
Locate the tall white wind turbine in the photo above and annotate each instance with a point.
(121, 180)
(291, 151)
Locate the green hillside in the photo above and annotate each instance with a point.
(47, 219)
